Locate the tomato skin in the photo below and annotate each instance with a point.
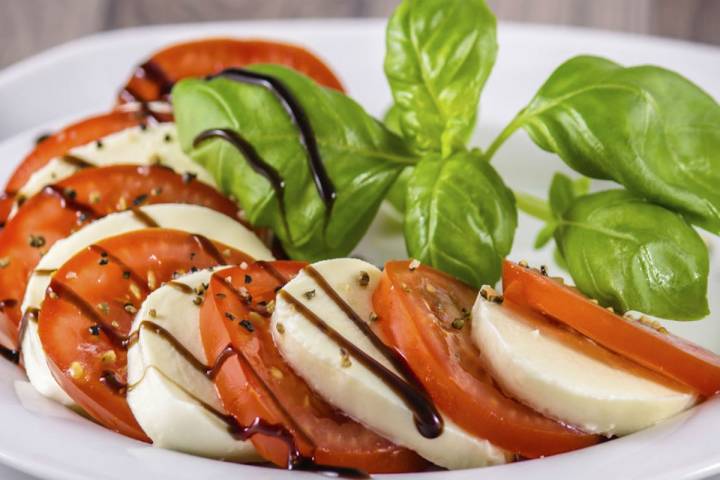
(100, 190)
(74, 135)
(412, 308)
(79, 358)
(258, 383)
(153, 80)
(662, 352)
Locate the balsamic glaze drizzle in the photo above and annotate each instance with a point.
(67, 200)
(297, 114)
(139, 280)
(14, 355)
(186, 289)
(296, 460)
(76, 161)
(256, 162)
(209, 247)
(8, 302)
(144, 218)
(427, 418)
(155, 75)
(270, 268)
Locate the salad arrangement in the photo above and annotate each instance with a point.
(176, 269)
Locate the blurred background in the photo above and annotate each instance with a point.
(30, 26)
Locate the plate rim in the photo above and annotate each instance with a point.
(30, 65)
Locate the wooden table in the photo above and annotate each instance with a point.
(29, 26)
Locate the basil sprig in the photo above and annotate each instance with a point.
(439, 55)
(361, 156)
(631, 254)
(460, 217)
(646, 128)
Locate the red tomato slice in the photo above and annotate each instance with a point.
(154, 79)
(48, 216)
(257, 383)
(75, 135)
(654, 348)
(90, 305)
(425, 315)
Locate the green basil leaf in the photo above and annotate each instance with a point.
(361, 156)
(562, 193)
(439, 55)
(645, 127)
(634, 255)
(391, 119)
(398, 192)
(545, 235)
(460, 217)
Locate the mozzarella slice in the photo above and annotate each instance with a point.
(156, 144)
(569, 378)
(350, 386)
(189, 218)
(168, 392)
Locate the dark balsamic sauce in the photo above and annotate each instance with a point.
(139, 280)
(7, 303)
(270, 268)
(153, 73)
(144, 218)
(209, 247)
(68, 201)
(186, 289)
(42, 137)
(77, 162)
(297, 114)
(109, 379)
(256, 162)
(69, 295)
(296, 460)
(12, 355)
(427, 419)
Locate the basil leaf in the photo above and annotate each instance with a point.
(460, 217)
(398, 192)
(361, 156)
(563, 192)
(391, 119)
(645, 127)
(545, 235)
(439, 54)
(635, 255)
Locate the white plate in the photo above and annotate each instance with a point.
(41, 438)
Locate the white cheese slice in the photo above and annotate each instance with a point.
(352, 387)
(156, 144)
(188, 218)
(167, 392)
(534, 361)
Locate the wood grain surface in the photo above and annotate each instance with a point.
(29, 26)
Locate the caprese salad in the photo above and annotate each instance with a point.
(178, 269)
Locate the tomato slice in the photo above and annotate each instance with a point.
(90, 305)
(424, 314)
(57, 211)
(654, 348)
(258, 383)
(74, 135)
(154, 79)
